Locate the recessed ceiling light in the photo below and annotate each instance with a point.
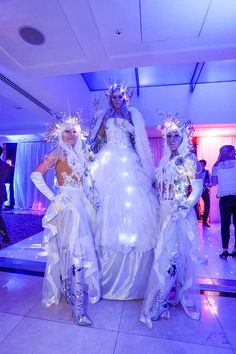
(31, 35)
(119, 31)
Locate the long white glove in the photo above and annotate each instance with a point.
(197, 185)
(38, 180)
(60, 200)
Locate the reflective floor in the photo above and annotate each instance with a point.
(28, 327)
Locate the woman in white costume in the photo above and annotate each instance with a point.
(123, 173)
(71, 263)
(172, 278)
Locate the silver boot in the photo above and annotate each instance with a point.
(160, 307)
(79, 298)
(67, 288)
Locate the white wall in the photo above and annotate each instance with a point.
(68, 91)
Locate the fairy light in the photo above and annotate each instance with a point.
(106, 157)
(129, 189)
(128, 204)
(125, 174)
(123, 159)
(127, 238)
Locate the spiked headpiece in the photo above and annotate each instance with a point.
(126, 92)
(172, 122)
(62, 121)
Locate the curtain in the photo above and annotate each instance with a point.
(28, 156)
(208, 149)
(156, 146)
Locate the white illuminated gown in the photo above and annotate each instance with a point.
(127, 225)
(175, 259)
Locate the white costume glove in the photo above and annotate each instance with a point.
(60, 200)
(38, 180)
(197, 185)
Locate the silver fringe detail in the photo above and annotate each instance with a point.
(159, 307)
(67, 288)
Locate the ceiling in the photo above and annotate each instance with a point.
(144, 43)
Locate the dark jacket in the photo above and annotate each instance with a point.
(4, 173)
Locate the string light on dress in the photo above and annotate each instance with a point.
(129, 189)
(125, 174)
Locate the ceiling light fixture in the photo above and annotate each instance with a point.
(31, 35)
(118, 31)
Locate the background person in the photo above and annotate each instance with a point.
(4, 174)
(206, 177)
(224, 175)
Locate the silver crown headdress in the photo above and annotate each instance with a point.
(172, 122)
(62, 121)
(126, 92)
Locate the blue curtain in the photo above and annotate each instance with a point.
(28, 156)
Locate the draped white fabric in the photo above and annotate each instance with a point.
(28, 155)
(208, 149)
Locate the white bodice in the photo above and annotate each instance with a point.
(118, 132)
(77, 164)
(70, 181)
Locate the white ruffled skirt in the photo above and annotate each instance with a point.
(68, 242)
(177, 244)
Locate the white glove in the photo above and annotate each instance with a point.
(38, 180)
(61, 200)
(197, 185)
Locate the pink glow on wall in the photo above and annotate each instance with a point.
(37, 206)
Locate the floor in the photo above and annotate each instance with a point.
(28, 327)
